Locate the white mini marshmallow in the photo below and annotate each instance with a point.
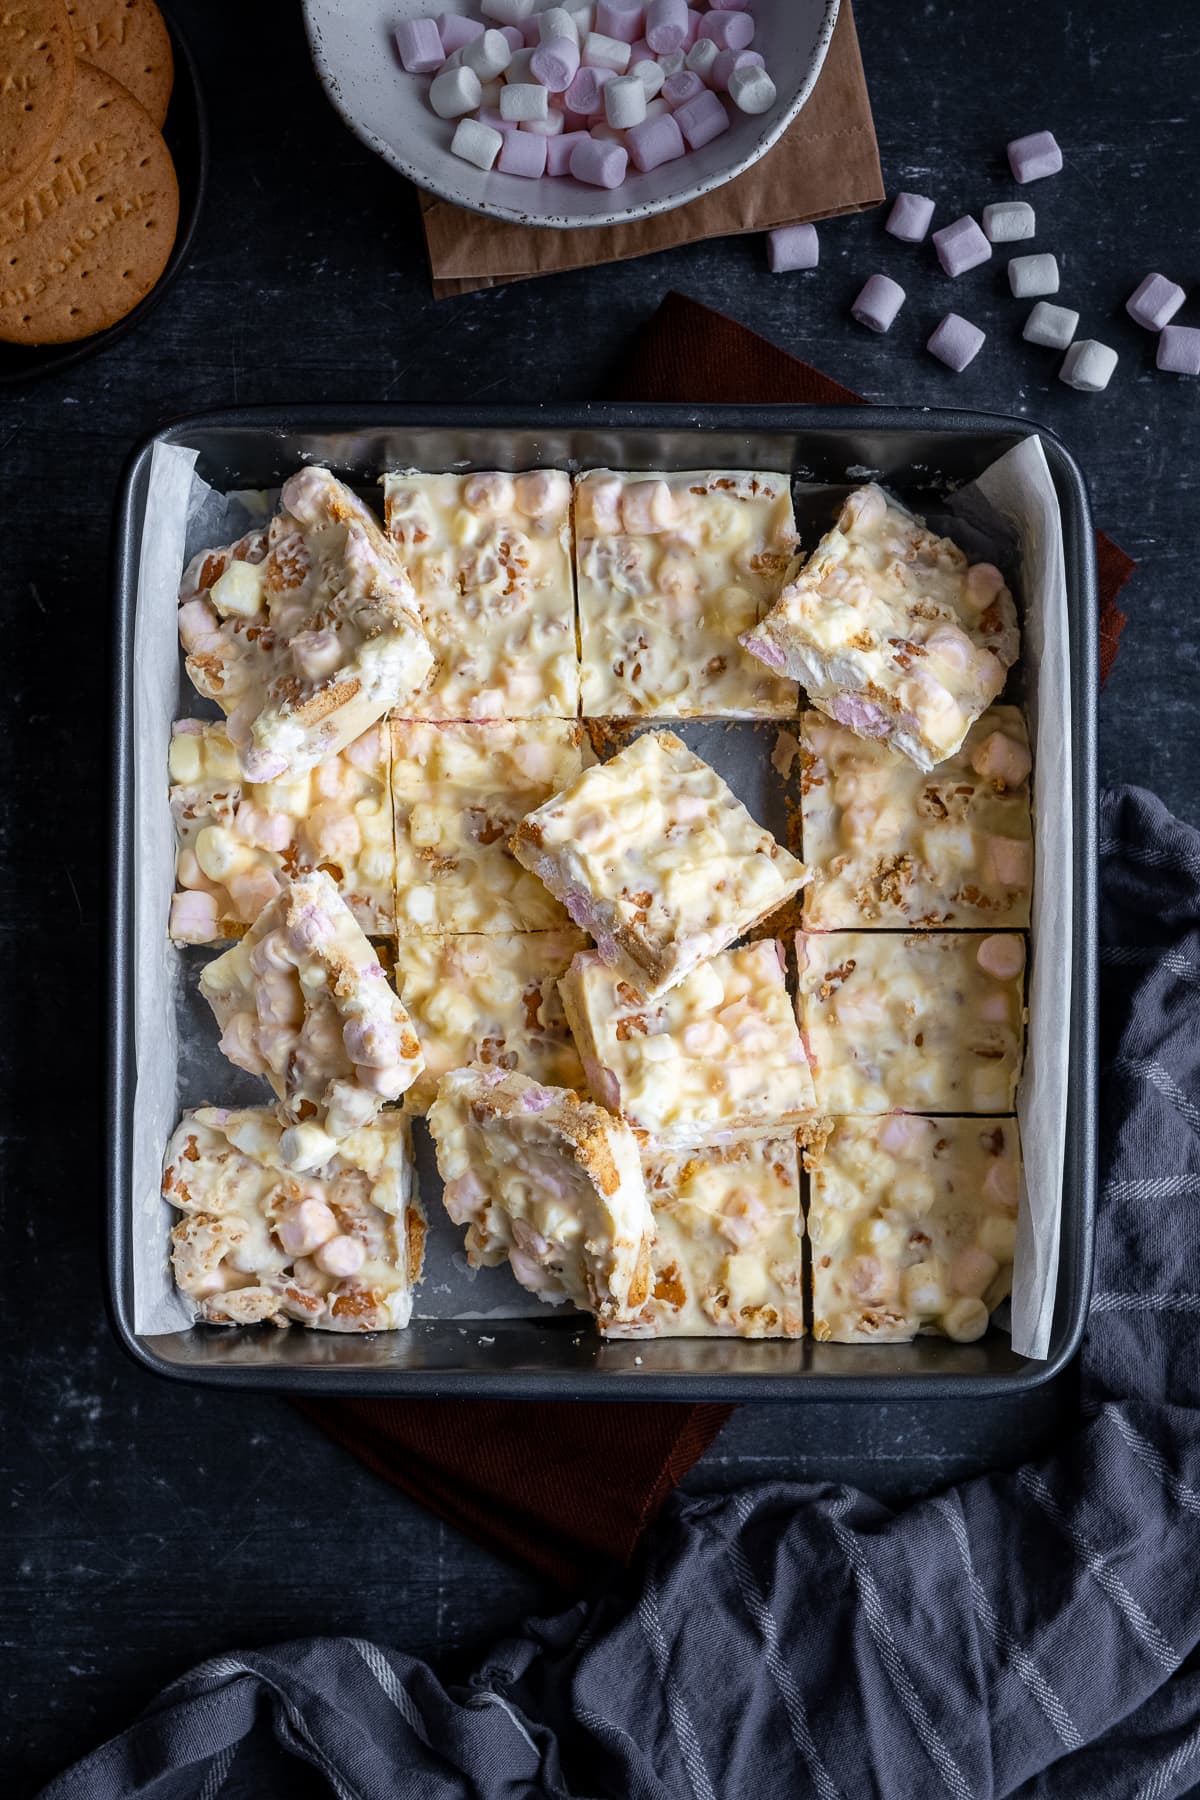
(650, 76)
(556, 22)
(476, 143)
(519, 69)
(1029, 276)
(751, 90)
(552, 126)
(488, 55)
(1053, 326)
(508, 12)
(656, 108)
(1088, 366)
(600, 52)
(701, 57)
(624, 102)
(489, 98)
(584, 14)
(1008, 221)
(671, 63)
(455, 92)
(522, 100)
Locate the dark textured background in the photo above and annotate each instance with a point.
(145, 1525)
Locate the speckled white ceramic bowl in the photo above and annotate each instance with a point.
(354, 50)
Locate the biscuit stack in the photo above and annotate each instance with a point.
(89, 202)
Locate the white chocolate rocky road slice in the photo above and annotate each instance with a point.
(891, 631)
(671, 569)
(307, 641)
(891, 845)
(656, 858)
(548, 1181)
(929, 1022)
(303, 1001)
(716, 1059)
(240, 840)
(489, 556)
(339, 1249)
(489, 1000)
(912, 1224)
(727, 1243)
(459, 791)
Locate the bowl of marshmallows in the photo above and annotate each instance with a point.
(584, 112)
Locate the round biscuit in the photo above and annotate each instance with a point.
(91, 232)
(129, 40)
(37, 70)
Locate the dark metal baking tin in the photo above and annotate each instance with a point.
(919, 453)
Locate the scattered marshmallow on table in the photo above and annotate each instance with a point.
(1034, 157)
(600, 52)
(667, 25)
(1052, 326)
(523, 153)
(1088, 366)
(961, 246)
(956, 342)
(1008, 221)
(624, 102)
(728, 30)
(1154, 302)
(476, 143)
(522, 100)
(792, 247)
(910, 218)
(655, 141)
(702, 119)
(751, 89)
(555, 63)
(1029, 276)
(420, 45)
(600, 164)
(455, 92)
(878, 303)
(1179, 350)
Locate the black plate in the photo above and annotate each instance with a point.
(186, 134)
(559, 1357)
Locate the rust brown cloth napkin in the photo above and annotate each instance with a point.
(557, 1486)
(825, 164)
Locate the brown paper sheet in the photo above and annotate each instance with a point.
(826, 163)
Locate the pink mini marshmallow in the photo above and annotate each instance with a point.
(341, 1256)
(655, 141)
(728, 5)
(420, 45)
(621, 19)
(1001, 760)
(455, 30)
(598, 163)
(559, 149)
(647, 507)
(513, 36)
(1009, 861)
(792, 247)
(961, 246)
(523, 153)
(731, 30)
(1003, 958)
(531, 32)
(693, 28)
(1154, 302)
(955, 342)
(194, 918)
(640, 52)
(1179, 350)
(677, 90)
(490, 116)
(586, 93)
(1034, 157)
(729, 60)
(910, 217)
(701, 120)
(555, 64)
(666, 26)
(878, 302)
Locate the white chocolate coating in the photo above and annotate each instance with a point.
(339, 1249)
(891, 632)
(912, 1223)
(727, 1246)
(489, 1000)
(303, 1001)
(893, 846)
(716, 1059)
(459, 791)
(671, 568)
(548, 1181)
(656, 858)
(306, 635)
(920, 1022)
(239, 840)
(490, 560)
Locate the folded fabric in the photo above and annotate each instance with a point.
(1030, 1634)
